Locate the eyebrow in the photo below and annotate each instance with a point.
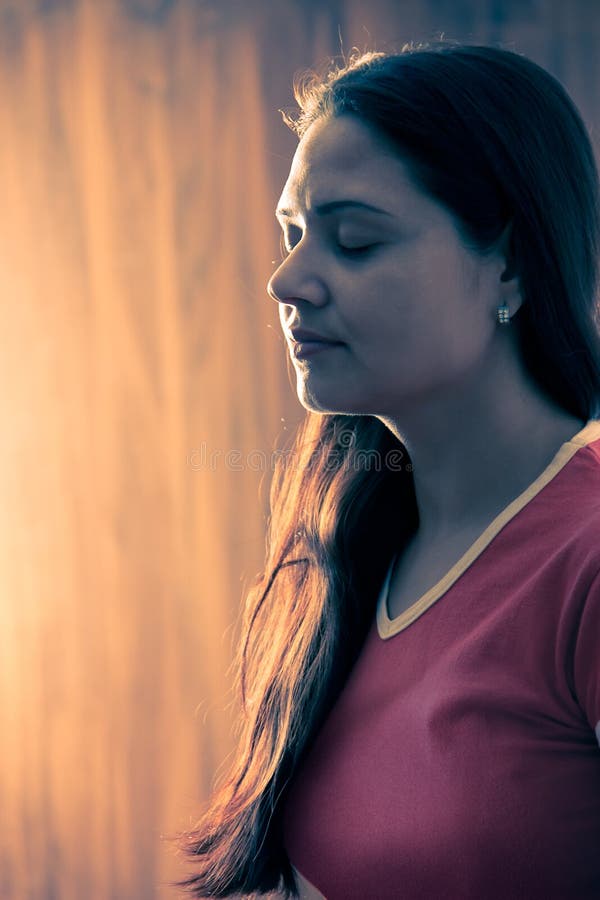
(334, 206)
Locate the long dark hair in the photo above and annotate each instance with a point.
(496, 140)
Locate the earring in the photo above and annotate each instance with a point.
(503, 316)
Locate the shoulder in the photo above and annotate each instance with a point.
(573, 501)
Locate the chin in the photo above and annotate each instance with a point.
(326, 402)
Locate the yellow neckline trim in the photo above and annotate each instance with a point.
(387, 627)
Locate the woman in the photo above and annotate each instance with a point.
(420, 672)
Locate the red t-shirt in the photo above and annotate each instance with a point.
(462, 758)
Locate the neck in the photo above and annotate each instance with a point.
(474, 449)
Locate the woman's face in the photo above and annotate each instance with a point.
(412, 308)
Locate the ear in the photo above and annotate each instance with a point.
(510, 286)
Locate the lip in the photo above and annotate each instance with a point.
(303, 349)
(306, 335)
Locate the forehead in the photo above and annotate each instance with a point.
(340, 158)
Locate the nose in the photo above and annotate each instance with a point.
(295, 281)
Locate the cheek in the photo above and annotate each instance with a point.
(392, 310)
(413, 326)
(421, 301)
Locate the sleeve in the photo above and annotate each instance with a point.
(587, 657)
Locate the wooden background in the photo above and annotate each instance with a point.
(141, 156)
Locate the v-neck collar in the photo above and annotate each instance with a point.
(387, 627)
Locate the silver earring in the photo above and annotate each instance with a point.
(503, 314)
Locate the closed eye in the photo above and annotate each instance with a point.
(343, 249)
(355, 251)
